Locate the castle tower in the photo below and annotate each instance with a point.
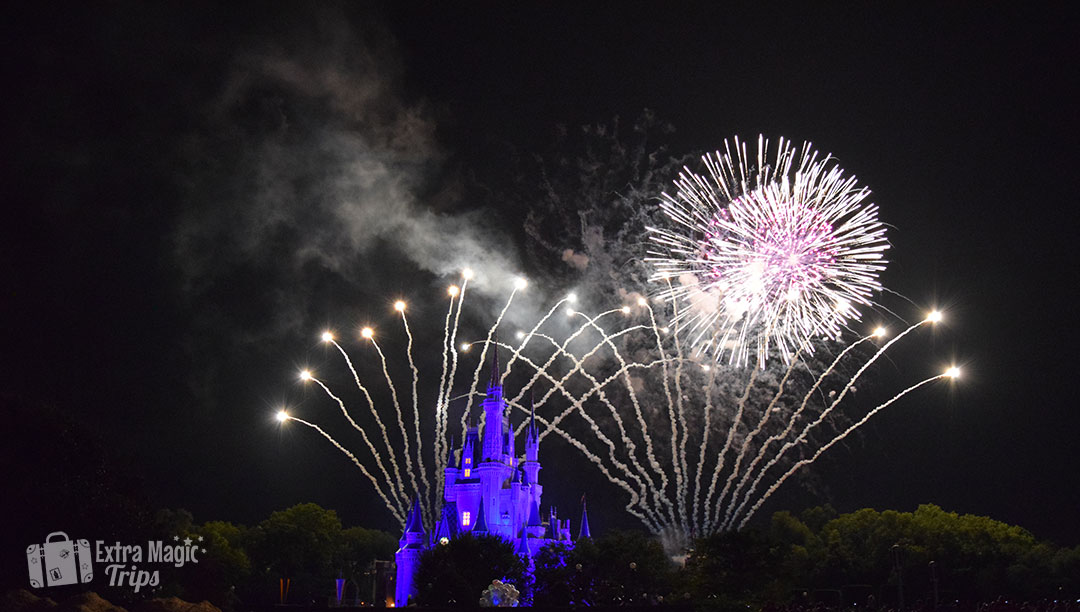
(407, 557)
(531, 465)
(493, 413)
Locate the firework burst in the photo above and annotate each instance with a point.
(766, 256)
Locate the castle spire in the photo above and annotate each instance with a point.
(450, 463)
(530, 433)
(584, 531)
(523, 545)
(481, 523)
(496, 376)
(415, 524)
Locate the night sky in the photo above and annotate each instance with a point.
(191, 194)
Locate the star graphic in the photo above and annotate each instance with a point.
(187, 541)
(175, 538)
(204, 550)
(200, 538)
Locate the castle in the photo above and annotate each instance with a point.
(487, 490)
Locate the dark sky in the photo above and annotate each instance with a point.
(174, 238)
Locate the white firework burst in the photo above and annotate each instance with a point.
(767, 256)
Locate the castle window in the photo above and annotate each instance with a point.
(468, 460)
(466, 518)
(467, 472)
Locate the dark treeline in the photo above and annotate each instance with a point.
(244, 566)
(922, 560)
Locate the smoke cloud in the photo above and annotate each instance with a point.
(313, 176)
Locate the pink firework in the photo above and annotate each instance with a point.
(765, 257)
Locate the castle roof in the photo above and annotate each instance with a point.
(523, 544)
(415, 524)
(584, 531)
(481, 523)
(534, 516)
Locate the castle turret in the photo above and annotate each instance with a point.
(584, 531)
(534, 525)
(408, 555)
(493, 412)
(450, 475)
(531, 465)
(468, 454)
(523, 547)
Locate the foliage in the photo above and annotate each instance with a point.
(455, 574)
(970, 558)
(620, 568)
(304, 544)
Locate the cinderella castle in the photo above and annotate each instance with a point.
(488, 489)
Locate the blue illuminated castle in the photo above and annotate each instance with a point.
(488, 490)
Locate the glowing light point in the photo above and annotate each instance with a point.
(305, 375)
(706, 368)
(282, 416)
(953, 372)
(399, 306)
(467, 273)
(465, 347)
(664, 330)
(571, 297)
(327, 336)
(453, 290)
(520, 335)
(935, 316)
(641, 302)
(625, 309)
(570, 312)
(520, 283)
(367, 332)
(880, 332)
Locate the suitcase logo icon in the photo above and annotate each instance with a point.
(59, 561)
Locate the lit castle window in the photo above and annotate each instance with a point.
(466, 517)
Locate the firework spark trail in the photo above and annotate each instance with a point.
(598, 389)
(682, 472)
(802, 462)
(400, 419)
(399, 499)
(483, 356)
(525, 341)
(699, 516)
(558, 384)
(560, 349)
(710, 519)
(761, 454)
(400, 307)
(577, 404)
(650, 456)
(649, 451)
(603, 470)
(391, 455)
(453, 365)
(806, 430)
(398, 515)
(671, 415)
(753, 434)
(439, 451)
